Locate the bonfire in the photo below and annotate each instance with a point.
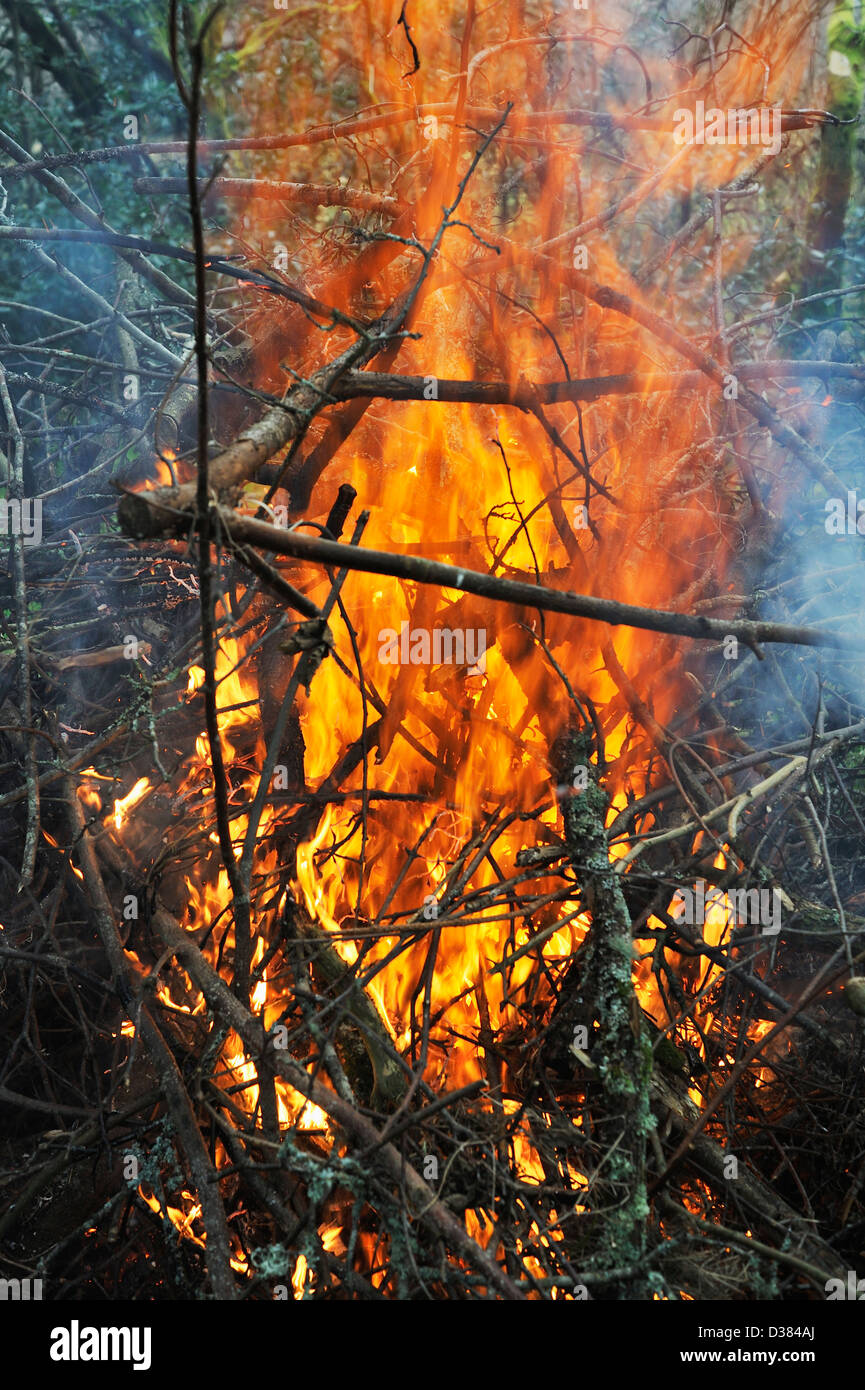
(432, 737)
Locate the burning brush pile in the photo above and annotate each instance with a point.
(432, 743)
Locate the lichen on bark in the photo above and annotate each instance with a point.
(620, 1049)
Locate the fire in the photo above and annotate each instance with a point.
(298, 1278)
(164, 467)
(196, 680)
(401, 873)
(56, 845)
(184, 1220)
(126, 803)
(453, 748)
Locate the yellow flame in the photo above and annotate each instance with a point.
(196, 680)
(125, 803)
